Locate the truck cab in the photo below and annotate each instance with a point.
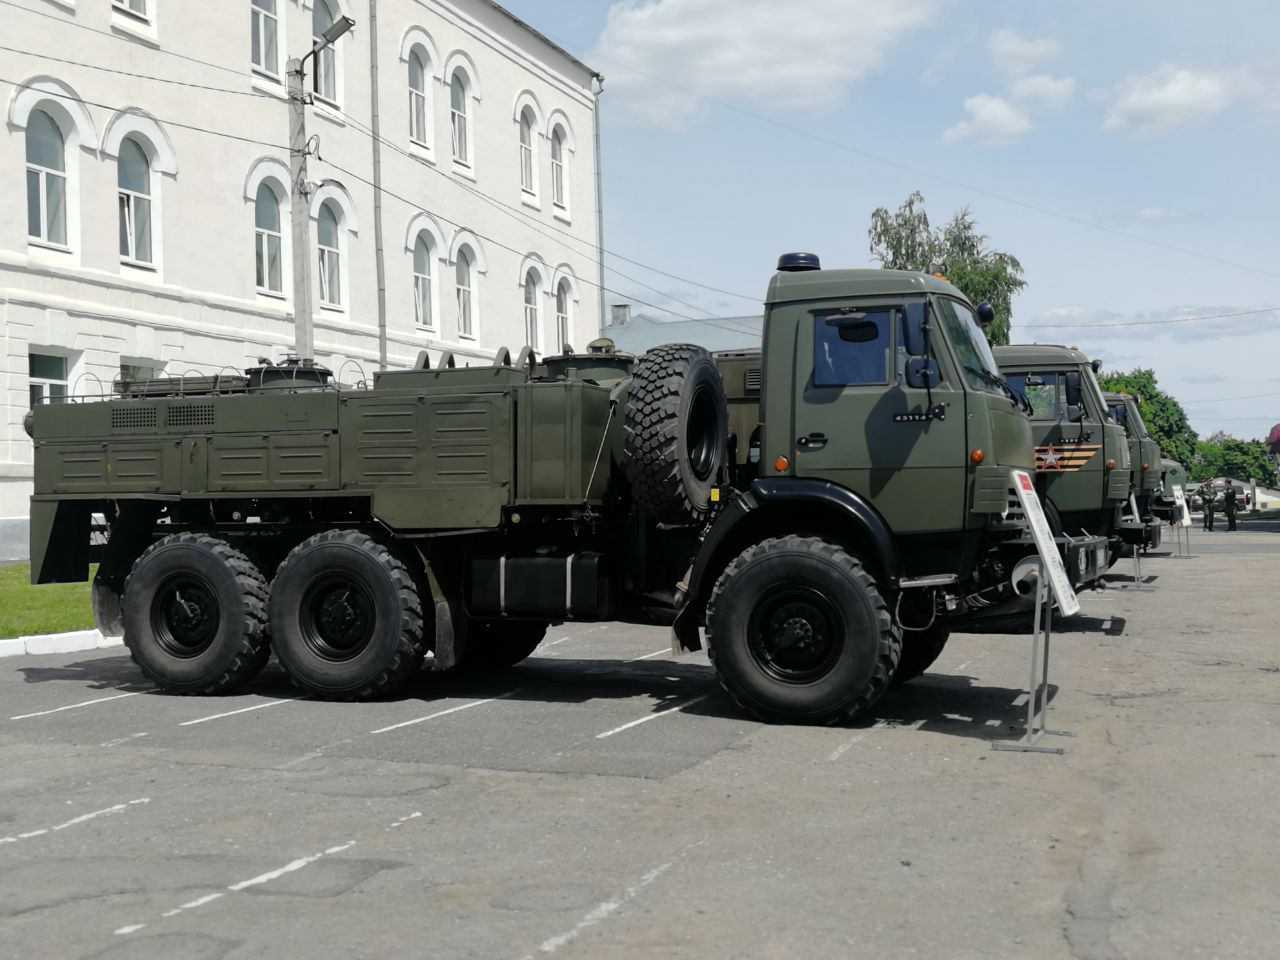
(1082, 455)
(1145, 463)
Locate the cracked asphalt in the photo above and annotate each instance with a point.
(604, 800)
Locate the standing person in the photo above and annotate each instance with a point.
(1229, 506)
(1207, 496)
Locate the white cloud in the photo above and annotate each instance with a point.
(757, 52)
(992, 120)
(1170, 97)
(1040, 89)
(1018, 55)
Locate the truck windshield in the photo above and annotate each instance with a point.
(1135, 416)
(977, 363)
(1042, 391)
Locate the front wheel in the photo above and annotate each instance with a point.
(799, 633)
(920, 648)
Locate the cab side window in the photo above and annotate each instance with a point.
(1042, 390)
(852, 349)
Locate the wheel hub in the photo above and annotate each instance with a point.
(795, 633)
(185, 615)
(337, 617)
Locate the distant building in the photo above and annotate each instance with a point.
(638, 333)
(145, 215)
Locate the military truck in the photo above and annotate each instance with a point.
(1082, 455)
(455, 512)
(1145, 485)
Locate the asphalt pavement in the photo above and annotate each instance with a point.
(605, 800)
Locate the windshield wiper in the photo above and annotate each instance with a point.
(987, 377)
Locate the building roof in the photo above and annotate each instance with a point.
(499, 8)
(721, 333)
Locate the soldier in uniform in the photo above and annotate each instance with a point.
(1207, 497)
(1229, 506)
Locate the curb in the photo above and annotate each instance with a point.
(75, 642)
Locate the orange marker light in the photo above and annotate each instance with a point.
(977, 456)
(1146, 466)
(782, 464)
(1111, 464)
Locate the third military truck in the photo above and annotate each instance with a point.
(852, 490)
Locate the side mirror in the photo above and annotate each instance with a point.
(1074, 396)
(916, 329)
(1075, 413)
(986, 315)
(1097, 366)
(923, 373)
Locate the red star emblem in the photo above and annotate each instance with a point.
(1051, 460)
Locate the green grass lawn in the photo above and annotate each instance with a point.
(56, 608)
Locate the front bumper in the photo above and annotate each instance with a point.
(1136, 533)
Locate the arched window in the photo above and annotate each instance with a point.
(324, 77)
(417, 99)
(464, 276)
(264, 28)
(459, 114)
(559, 178)
(133, 175)
(46, 180)
(562, 313)
(422, 282)
(528, 163)
(269, 240)
(531, 323)
(329, 244)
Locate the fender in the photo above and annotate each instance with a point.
(772, 492)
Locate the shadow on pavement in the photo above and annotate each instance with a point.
(958, 707)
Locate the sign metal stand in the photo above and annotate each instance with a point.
(1051, 585)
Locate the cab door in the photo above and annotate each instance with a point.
(857, 424)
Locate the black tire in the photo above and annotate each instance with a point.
(842, 650)
(346, 621)
(677, 430)
(496, 646)
(194, 613)
(920, 648)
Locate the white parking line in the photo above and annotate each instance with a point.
(600, 912)
(649, 656)
(445, 713)
(232, 713)
(672, 708)
(76, 706)
(840, 751)
(83, 818)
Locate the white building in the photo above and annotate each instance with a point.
(153, 233)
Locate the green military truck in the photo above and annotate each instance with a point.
(455, 512)
(1145, 471)
(1082, 455)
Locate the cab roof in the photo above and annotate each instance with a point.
(1038, 354)
(833, 284)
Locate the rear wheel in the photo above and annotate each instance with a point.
(345, 617)
(194, 614)
(495, 646)
(920, 648)
(798, 632)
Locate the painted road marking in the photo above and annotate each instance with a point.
(119, 740)
(403, 820)
(649, 656)
(445, 713)
(232, 713)
(844, 748)
(77, 706)
(84, 818)
(600, 912)
(131, 929)
(673, 708)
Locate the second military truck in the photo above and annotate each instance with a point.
(863, 495)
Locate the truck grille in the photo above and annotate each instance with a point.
(190, 415)
(1013, 517)
(751, 380)
(130, 417)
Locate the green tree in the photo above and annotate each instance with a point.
(904, 240)
(1226, 456)
(1165, 419)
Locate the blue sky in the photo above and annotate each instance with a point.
(1127, 152)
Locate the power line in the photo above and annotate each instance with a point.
(170, 123)
(1149, 323)
(1251, 396)
(495, 242)
(918, 171)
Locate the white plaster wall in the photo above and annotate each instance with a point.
(199, 311)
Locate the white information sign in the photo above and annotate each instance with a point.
(1068, 604)
(1180, 499)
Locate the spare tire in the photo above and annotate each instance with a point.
(677, 429)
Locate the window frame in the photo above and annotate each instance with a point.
(461, 118)
(43, 175)
(531, 293)
(425, 304)
(330, 260)
(822, 315)
(465, 294)
(564, 322)
(325, 65)
(526, 126)
(559, 169)
(419, 101)
(261, 241)
(128, 201)
(145, 15)
(46, 382)
(259, 15)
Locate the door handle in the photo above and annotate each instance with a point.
(813, 441)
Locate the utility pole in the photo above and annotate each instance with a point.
(300, 213)
(300, 190)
